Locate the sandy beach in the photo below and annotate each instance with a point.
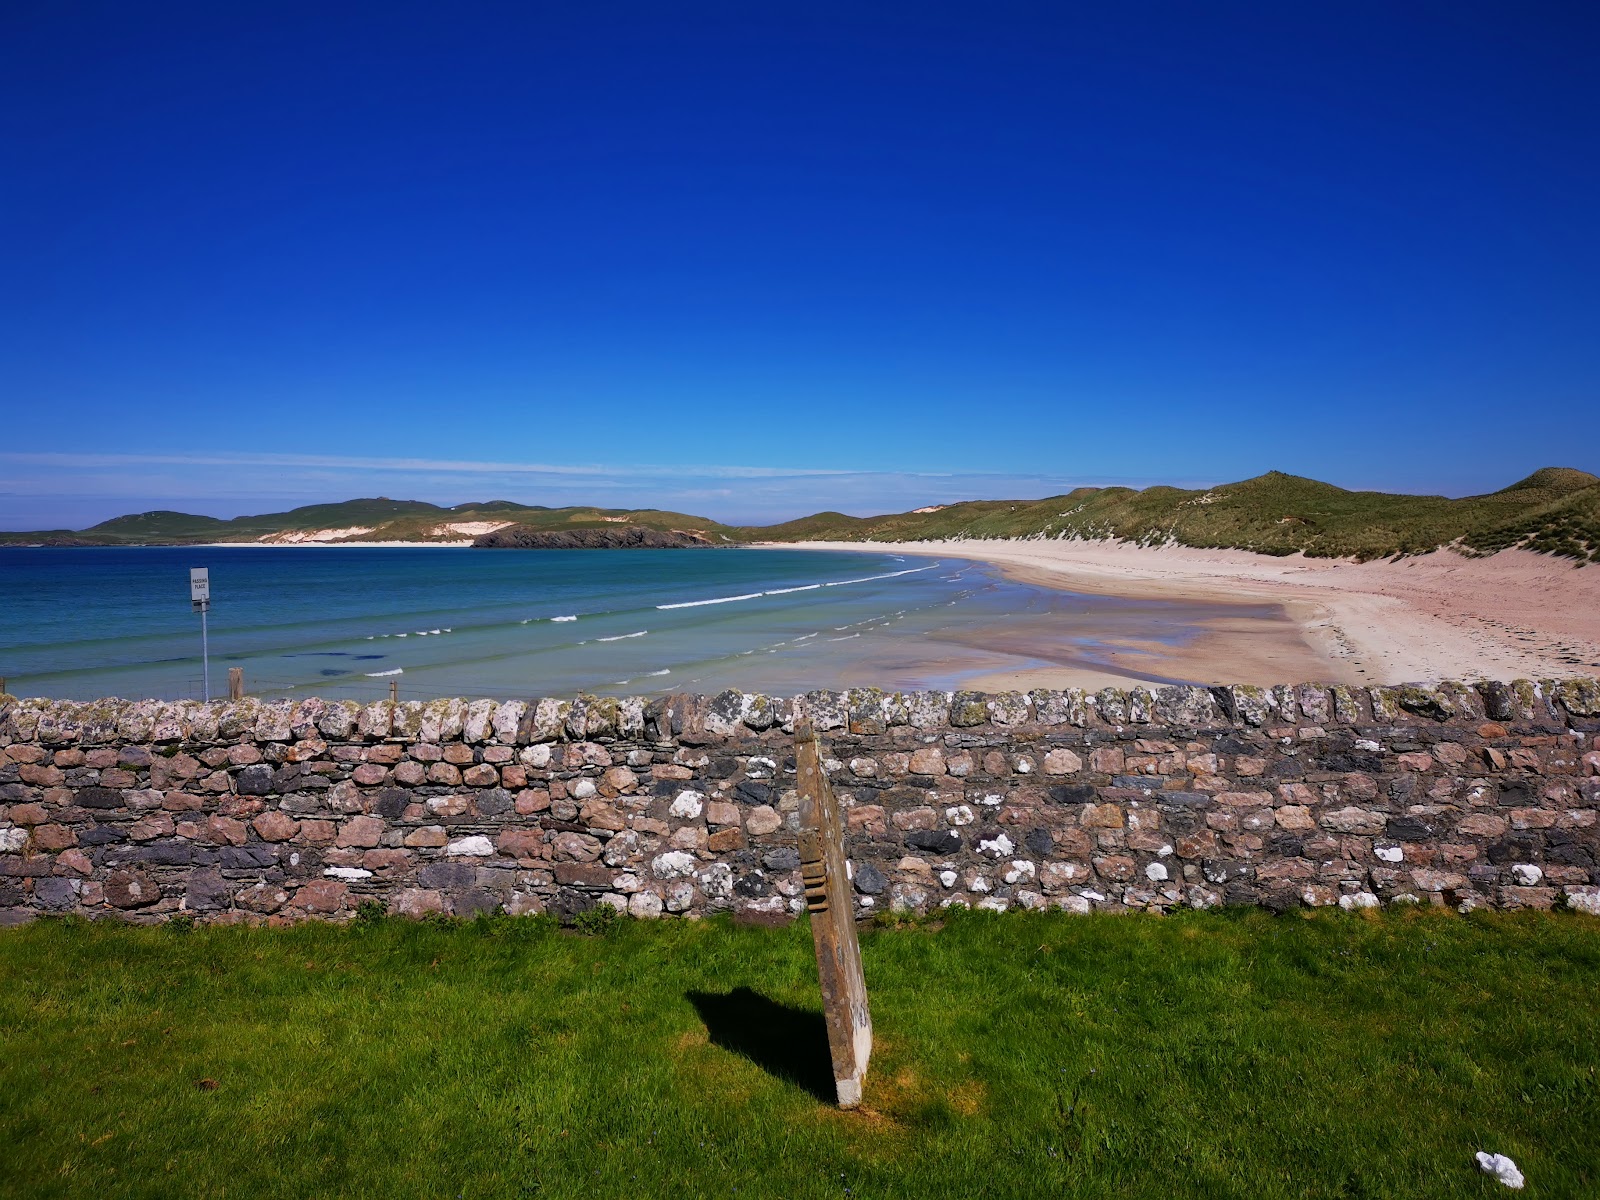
(1436, 616)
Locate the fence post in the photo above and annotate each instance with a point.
(235, 683)
(394, 691)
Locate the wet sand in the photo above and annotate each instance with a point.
(1272, 620)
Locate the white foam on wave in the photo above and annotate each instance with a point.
(663, 671)
(809, 587)
(400, 635)
(890, 575)
(622, 637)
(381, 674)
(718, 600)
(845, 638)
(563, 618)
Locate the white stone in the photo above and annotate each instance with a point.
(999, 846)
(12, 840)
(583, 789)
(679, 897)
(612, 900)
(346, 873)
(1390, 854)
(1032, 901)
(992, 799)
(1526, 874)
(687, 806)
(1156, 873)
(1358, 900)
(674, 864)
(535, 756)
(1501, 1167)
(477, 845)
(1367, 744)
(1584, 900)
(994, 904)
(959, 815)
(1018, 871)
(947, 878)
(626, 884)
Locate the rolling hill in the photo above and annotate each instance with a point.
(1553, 511)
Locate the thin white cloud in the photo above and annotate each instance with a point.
(82, 461)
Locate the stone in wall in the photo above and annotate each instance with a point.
(1158, 798)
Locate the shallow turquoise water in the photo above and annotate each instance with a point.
(345, 622)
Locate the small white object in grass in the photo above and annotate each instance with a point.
(1501, 1167)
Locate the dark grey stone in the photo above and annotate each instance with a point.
(1222, 871)
(1073, 793)
(869, 880)
(1409, 829)
(785, 858)
(1040, 842)
(391, 802)
(751, 792)
(166, 853)
(935, 841)
(207, 891)
(254, 780)
(447, 875)
(58, 895)
(474, 901)
(101, 835)
(245, 858)
(494, 802)
(99, 797)
(755, 885)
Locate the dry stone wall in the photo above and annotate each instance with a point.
(253, 811)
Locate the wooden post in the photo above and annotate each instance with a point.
(235, 683)
(394, 691)
(825, 870)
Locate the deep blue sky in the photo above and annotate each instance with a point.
(264, 254)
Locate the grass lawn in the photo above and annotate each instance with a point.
(1207, 1054)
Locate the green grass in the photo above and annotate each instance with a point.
(1200, 1055)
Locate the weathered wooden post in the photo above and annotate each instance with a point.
(825, 870)
(235, 683)
(394, 691)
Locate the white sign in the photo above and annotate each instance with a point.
(199, 584)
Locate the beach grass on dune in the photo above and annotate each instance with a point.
(1220, 1054)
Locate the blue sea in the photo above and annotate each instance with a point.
(347, 621)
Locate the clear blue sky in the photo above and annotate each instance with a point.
(756, 259)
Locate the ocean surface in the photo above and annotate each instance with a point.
(345, 622)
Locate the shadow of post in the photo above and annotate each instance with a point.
(790, 1043)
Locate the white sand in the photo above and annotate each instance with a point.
(1436, 616)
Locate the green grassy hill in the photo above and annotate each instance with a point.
(1553, 511)
(382, 518)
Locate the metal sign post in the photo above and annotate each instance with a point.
(200, 599)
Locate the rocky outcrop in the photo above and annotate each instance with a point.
(623, 537)
(1151, 799)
